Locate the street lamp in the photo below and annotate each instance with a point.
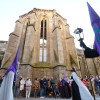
(79, 34)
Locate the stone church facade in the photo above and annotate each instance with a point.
(46, 47)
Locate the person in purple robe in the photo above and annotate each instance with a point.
(66, 92)
(6, 89)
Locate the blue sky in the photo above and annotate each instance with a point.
(75, 11)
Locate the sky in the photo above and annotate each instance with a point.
(75, 11)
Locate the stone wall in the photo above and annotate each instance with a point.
(12, 45)
(32, 72)
(92, 64)
(59, 72)
(60, 44)
(3, 45)
(27, 70)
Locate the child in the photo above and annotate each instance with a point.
(56, 91)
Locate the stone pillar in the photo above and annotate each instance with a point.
(51, 49)
(71, 52)
(82, 66)
(29, 45)
(97, 62)
(55, 44)
(60, 46)
(12, 45)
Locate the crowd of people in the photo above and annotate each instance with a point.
(46, 87)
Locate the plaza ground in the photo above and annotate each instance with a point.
(43, 99)
(97, 98)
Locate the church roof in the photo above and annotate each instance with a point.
(42, 10)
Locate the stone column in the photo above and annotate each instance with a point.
(29, 45)
(50, 49)
(55, 46)
(60, 46)
(70, 48)
(12, 45)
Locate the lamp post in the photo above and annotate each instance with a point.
(80, 36)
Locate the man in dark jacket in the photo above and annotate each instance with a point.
(45, 82)
(52, 83)
(42, 88)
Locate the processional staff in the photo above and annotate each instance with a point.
(80, 37)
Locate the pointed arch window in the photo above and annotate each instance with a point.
(43, 41)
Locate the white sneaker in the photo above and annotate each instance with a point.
(41, 97)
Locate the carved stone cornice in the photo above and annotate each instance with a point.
(30, 12)
(42, 10)
(56, 28)
(60, 16)
(13, 34)
(32, 26)
(69, 37)
(36, 10)
(17, 21)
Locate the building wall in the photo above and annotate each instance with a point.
(3, 45)
(60, 44)
(92, 64)
(57, 72)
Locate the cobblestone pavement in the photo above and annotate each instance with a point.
(97, 98)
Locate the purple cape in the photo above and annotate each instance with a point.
(13, 66)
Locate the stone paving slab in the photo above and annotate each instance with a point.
(97, 98)
(42, 99)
